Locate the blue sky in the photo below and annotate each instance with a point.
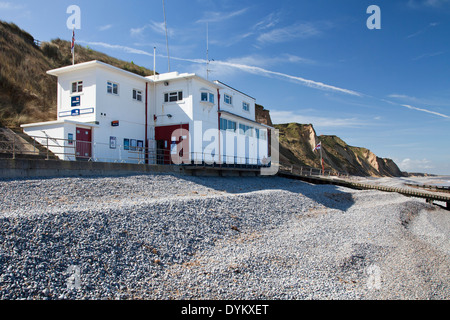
(309, 61)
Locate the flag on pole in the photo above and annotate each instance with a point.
(318, 146)
(73, 40)
(72, 48)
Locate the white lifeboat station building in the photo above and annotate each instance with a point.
(107, 114)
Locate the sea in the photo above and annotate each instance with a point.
(440, 181)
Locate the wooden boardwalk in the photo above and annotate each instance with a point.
(430, 196)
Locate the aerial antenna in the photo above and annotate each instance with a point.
(167, 39)
(207, 52)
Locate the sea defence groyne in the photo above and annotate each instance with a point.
(429, 196)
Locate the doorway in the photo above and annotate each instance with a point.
(83, 148)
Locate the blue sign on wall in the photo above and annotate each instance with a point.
(76, 101)
(75, 112)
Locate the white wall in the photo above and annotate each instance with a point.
(87, 97)
(236, 106)
(56, 135)
(121, 107)
(181, 111)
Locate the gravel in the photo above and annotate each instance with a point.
(163, 236)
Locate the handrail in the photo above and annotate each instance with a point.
(67, 148)
(311, 171)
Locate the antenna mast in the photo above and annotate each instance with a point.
(208, 70)
(207, 51)
(167, 39)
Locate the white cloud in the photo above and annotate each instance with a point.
(435, 101)
(297, 31)
(425, 110)
(105, 27)
(296, 79)
(268, 22)
(430, 25)
(117, 47)
(415, 165)
(417, 4)
(10, 6)
(427, 55)
(279, 117)
(240, 66)
(435, 3)
(157, 27)
(415, 100)
(219, 16)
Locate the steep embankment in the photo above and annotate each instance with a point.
(297, 142)
(300, 139)
(27, 93)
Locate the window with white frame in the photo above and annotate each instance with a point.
(246, 106)
(137, 95)
(112, 88)
(228, 99)
(173, 96)
(223, 124)
(231, 126)
(77, 87)
(227, 125)
(245, 130)
(262, 135)
(207, 97)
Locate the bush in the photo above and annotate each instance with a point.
(51, 51)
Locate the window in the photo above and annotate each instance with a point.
(207, 97)
(246, 106)
(243, 129)
(249, 132)
(262, 135)
(137, 95)
(227, 125)
(228, 99)
(173, 96)
(231, 126)
(223, 124)
(126, 144)
(112, 88)
(77, 87)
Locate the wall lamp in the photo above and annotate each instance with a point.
(155, 117)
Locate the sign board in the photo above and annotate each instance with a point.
(76, 112)
(76, 101)
(115, 123)
(112, 142)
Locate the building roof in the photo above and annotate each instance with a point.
(58, 122)
(159, 78)
(93, 64)
(171, 76)
(243, 118)
(225, 85)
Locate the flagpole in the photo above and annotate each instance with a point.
(73, 46)
(321, 161)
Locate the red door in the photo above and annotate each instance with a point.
(83, 148)
(169, 139)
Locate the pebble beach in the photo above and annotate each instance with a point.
(164, 237)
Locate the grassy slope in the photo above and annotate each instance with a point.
(27, 93)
